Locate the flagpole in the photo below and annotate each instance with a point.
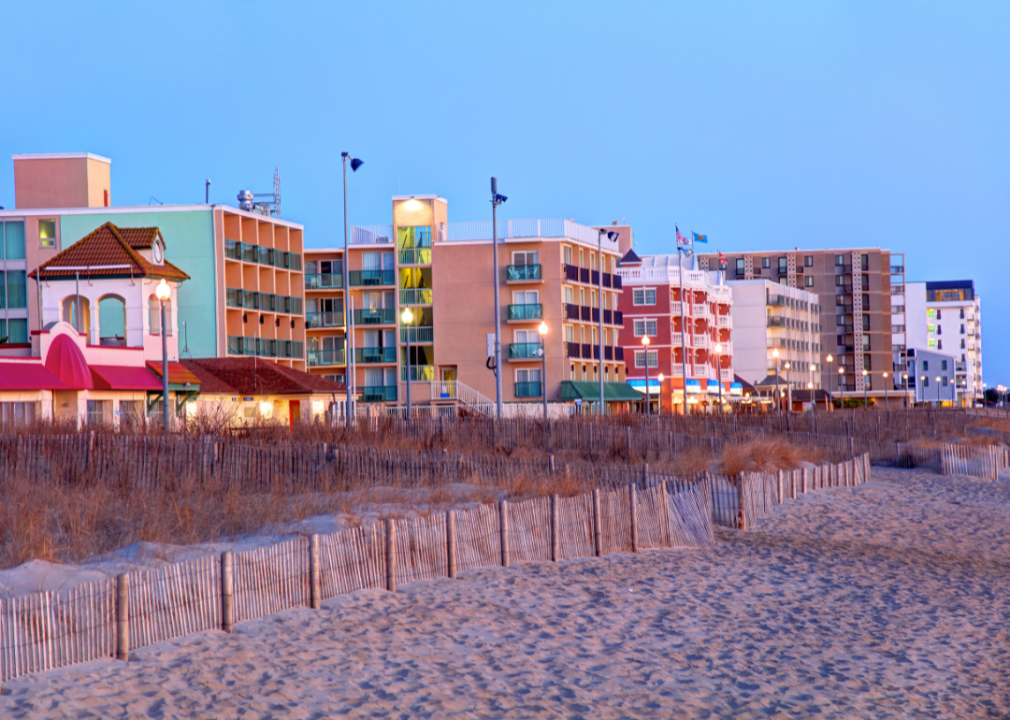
(683, 321)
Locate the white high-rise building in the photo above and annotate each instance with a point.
(946, 317)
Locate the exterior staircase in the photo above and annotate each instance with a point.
(447, 391)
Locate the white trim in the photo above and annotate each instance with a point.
(136, 209)
(399, 198)
(62, 156)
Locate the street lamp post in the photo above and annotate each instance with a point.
(543, 357)
(718, 371)
(905, 390)
(813, 402)
(829, 359)
(349, 381)
(885, 390)
(648, 411)
(938, 391)
(922, 386)
(407, 317)
(789, 389)
(163, 293)
(841, 393)
(866, 379)
(496, 200)
(661, 378)
(778, 398)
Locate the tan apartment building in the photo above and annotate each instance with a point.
(325, 336)
(860, 295)
(443, 272)
(246, 294)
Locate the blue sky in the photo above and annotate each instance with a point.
(766, 125)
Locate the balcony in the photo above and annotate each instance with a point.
(419, 334)
(523, 273)
(370, 355)
(418, 373)
(375, 316)
(526, 351)
(585, 313)
(528, 389)
(897, 269)
(238, 345)
(527, 312)
(897, 290)
(571, 272)
(699, 311)
(897, 328)
(317, 320)
(960, 367)
(777, 321)
(724, 321)
(587, 351)
(365, 278)
(416, 296)
(323, 281)
(323, 358)
(726, 375)
(727, 348)
(700, 341)
(572, 312)
(265, 302)
(573, 350)
(619, 354)
(415, 256)
(377, 393)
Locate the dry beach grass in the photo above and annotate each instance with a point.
(887, 601)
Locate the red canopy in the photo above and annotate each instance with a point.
(115, 377)
(28, 376)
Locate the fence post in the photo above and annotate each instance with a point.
(550, 465)
(597, 540)
(806, 475)
(555, 544)
(633, 508)
(227, 590)
(503, 525)
(739, 501)
(779, 474)
(315, 583)
(390, 555)
(450, 543)
(123, 617)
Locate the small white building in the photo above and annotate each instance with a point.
(769, 316)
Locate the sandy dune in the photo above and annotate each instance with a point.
(888, 601)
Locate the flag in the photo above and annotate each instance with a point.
(722, 259)
(699, 238)
(681, 240)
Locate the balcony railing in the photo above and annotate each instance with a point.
(529, 311)
(323, 281)
(419, 334)
(776, 321)
(315, 320)
(359, 278)
(699, 310)
(266, 302)
(368, 355)
(725, 321)
(377, 393)
(700, 341)
(523, 273)
(897, 290)
(418, 373)
(238, 345)
(571, 311)
(416, 296)
(528, 389)
(526, 351)
(321, 358)
(250, 253)
(415, 256)
(375, 316)
(573, 350)
(371, 235)
(897, 269)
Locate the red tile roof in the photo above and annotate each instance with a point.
(178, 374)
(114, 377)
(110, 245)
(256, 376)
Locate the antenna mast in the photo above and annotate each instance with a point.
(277, 191)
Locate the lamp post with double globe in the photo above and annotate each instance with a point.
(163, 292)
(648, 410)
(543, 359)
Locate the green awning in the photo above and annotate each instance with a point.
(590, 391)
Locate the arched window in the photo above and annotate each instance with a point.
(155, 315)
(69, 312)
(112, 321)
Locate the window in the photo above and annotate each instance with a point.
(47, 233)
(14, 331)
(864, 262)
(962, 343)
(96, 411)
(567, 252)
(962, 313)
(13, 245)
(939, 315)
(839, 260)
(16, 413)
(740, 266)
(413, 237)
(569, 333)
(925, 365)
(528, 375)
(808, 281)
(582, 258)
(931, 313)
(945, 381)
(943, 364)
(640, 358)
(939, 344)
(783, 266)
(925, 380)
(783, 281)
(16, 296)
(939, 330)
(808, 261)
(645, 327)
(569, 295)
(644, 296)
(841, 320)
(840, 280)
(766, 262)
(866, 323)
(525, 297)
(529, 257)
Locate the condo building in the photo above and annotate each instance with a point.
(776, 331)
(946, 317)
(861, 300)
(246, 297)
(549, 272)
(695, 335)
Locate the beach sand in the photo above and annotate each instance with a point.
(887, 601)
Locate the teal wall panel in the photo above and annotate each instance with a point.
(189, 245)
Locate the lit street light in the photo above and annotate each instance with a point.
(163, 292)
(813, 402)
(829, 359)
(407, 317)
(661, 378)
(866, 380)
(543, 356)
